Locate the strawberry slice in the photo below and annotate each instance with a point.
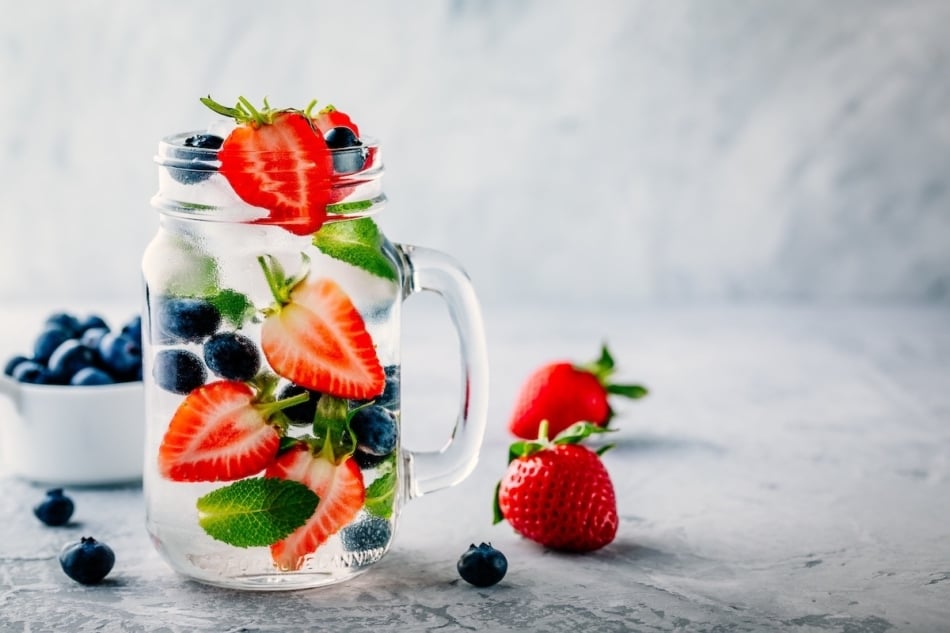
(315, 337)
(219, 433)
(329, 118)
(341, 492)
(276, 160)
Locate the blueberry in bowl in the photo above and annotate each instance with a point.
(72, 408)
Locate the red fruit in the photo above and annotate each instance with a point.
(275, 159)
(341, 492)
(316, 338)
(559, 496)
(564, 394)
(218, 434)
(329, 118)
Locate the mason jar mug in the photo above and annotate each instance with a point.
(272, 375)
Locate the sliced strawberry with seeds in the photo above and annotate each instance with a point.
(341, 492)
(329, 118)
(277, 160)
(315, 337)
(219, 433)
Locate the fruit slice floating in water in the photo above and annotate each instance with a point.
(340, 489)
(315, 337)
(275, 159)
(221, 433)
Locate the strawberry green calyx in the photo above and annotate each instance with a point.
(244, 112)
(279, 283)
(272, 410)
(603, 368)
(574, 434)
(331, 423)
(332, 438)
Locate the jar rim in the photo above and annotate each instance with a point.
(354, 181)
(172, 152)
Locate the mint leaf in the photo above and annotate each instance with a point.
(349, 207)
(381, 494)
(233, 306)
(356, 242)
(256, 512)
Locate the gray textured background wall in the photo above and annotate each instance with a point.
(608, 152)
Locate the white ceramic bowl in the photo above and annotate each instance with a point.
(69, 435)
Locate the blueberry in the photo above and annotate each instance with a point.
(12, 364)
(183, 319)
(375, 430)
(47, 342)
(120, 355)
(87, 561)
(91, 376)
(190, 167)
(370, 533)
(91, 337)
(33, 373)
(64, 321)
(389, 399)
(232, 356)
(69, 358)
(482, 566)
(349, 155)
(133, 328)
(300, 414)
(178, 370)
(55, 509)
(366, 460)
(90, 322)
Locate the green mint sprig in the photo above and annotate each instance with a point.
(381, 494)
(358, 243)
(256, 512)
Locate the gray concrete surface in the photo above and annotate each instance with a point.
(790, 471)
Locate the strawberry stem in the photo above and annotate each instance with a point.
(268, 409)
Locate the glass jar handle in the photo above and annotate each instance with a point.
(434, 271)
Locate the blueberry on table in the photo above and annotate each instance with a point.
(47, 342)
(178, 371)
(375, 430)
(370, 533)
(186, 319)
(482, 566)
(350, 156)
(89, 376)
(55, 509)
(232, 356)
(300, 414)
(120, 355)
(69, 358)
(87, 561)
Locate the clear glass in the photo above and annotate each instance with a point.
(213, 250)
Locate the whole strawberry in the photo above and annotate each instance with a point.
(558, 493)
(563, 393)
